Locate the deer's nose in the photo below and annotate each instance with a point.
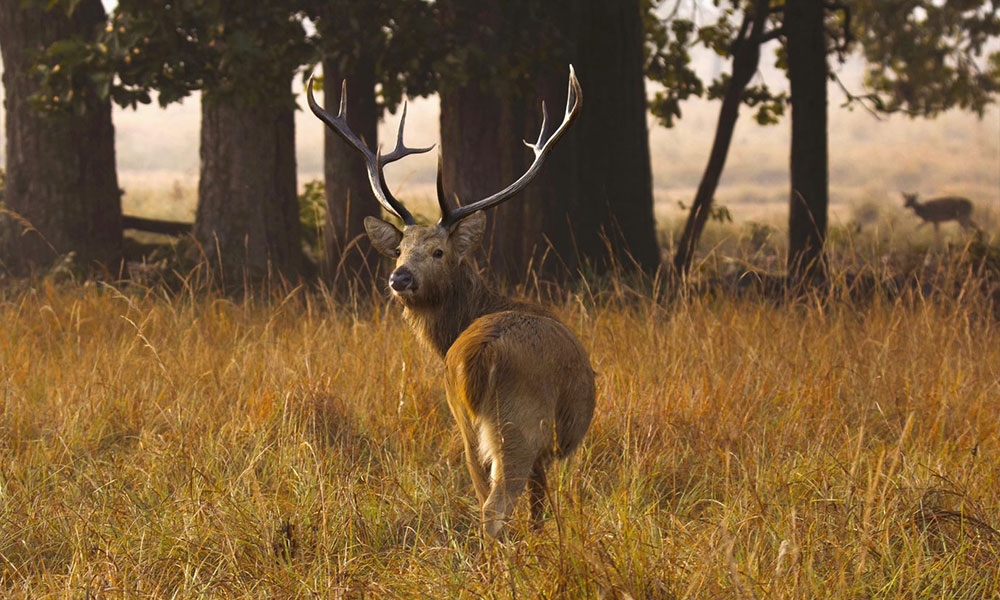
(402, 279)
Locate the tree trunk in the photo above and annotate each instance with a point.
(807, 74)
(482, 130)
(248, 217)
(478, 159)
(746, 57)
(349, 198)
(600, 209)
(61, 179)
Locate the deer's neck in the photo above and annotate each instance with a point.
(468, 299)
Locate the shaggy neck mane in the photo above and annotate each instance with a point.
(468, 298)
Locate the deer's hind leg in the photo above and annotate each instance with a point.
(537, 486)
(477, 471)
(512, 466)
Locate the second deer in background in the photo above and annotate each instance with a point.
(941, 210)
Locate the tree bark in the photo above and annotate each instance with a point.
(746, 58)
(481, 132)
(480, 158)
(248, 218)
(601, 210)
(61, 179)
(349, 198)
(807, 74)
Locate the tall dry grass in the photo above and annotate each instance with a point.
(186, 445)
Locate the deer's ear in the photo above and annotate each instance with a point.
(467, 234)
(384, 236)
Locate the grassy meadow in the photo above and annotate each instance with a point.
(186, 445)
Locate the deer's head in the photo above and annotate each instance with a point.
(909, 200)
(428, 256)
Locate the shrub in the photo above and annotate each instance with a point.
(312, 217)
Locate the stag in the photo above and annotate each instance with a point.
(941, 210)
(519, 382)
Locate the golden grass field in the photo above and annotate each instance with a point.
(186, 445)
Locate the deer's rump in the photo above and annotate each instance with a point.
(525, 371)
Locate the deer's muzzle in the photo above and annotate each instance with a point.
(402, 280)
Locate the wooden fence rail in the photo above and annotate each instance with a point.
(156, 225)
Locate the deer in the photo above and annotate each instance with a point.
(519, 383)
(941, 210)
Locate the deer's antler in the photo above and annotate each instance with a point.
(374, 161)
(574, 100)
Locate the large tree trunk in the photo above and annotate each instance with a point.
(482, 129)
(61, 178)
(349, 199)
(600, 210)
(746, 57)
(480, 158)
(248, 217)
(807, 74)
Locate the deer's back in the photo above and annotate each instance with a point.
(524, 367)
(945, 208)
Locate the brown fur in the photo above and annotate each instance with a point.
(941, 210)
(519, 382)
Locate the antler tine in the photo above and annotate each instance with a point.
(401, 150)
(373, 162)
(442, 197)
(574, 100)
(342, 113)
(541, 134)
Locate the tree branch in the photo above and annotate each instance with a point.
(860, 99)
(744, 26)
(770, 35)
(746, 59)
(673, 12)
(848, 36)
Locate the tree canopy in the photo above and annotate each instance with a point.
(399, 38)
(238, 52)
(921, 57)
(924, 57)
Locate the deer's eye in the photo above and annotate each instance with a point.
(438, 253)
(396, 252)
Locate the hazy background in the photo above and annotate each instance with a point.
(871, 160)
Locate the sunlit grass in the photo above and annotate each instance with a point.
(188, 445)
